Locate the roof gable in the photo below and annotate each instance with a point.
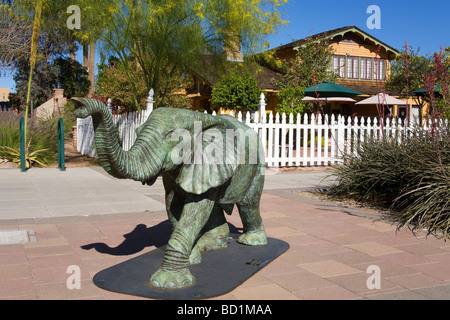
(335, 34)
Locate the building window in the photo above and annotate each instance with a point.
(353, 68)
(366, 68)
(379, 69)
(339, 66)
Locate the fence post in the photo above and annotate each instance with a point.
(61, 159)
(340, 137)
(22, 145)
(262, 109)
(109, 105)
(150, 102)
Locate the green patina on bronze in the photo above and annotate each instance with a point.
(197, 192)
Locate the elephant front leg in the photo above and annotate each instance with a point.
(174, 272)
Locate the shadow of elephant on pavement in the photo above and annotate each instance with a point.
(142, 237)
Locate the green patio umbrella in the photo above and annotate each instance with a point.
(424, 92)
(330, 89)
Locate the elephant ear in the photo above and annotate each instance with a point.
(213, 162)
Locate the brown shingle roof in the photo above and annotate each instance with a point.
(333, 33)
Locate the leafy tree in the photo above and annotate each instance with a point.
(15, 37)
(50, 66)
(439, 78)
(407, 72)
(237, 90)
(163, 37)
(411, 71)
(113, 82)
(72, 77)
(310, 66)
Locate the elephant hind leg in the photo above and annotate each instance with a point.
(215, 233)
(254, 232)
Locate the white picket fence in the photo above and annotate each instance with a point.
(308, 141)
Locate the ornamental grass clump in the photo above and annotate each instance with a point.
(41, 146)
(411, 178)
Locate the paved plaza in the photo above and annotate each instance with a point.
(52, 220)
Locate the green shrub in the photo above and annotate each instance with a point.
(42, 144)
(411, 178)
(42, 137)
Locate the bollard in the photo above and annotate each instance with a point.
(22, 145)
(61, 159)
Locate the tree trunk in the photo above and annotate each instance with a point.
(86, 56)
(72, 50)
(92, 68)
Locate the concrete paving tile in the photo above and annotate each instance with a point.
(387, 268)
(415, 281)
(328, 268)
(372, 248)
(400, 295)
(52, 275)
(443, 257)
(114, 296)
(63, 260)
(13, 258)
(282, 232)
(95, 265)
(16, 288)
(342, 239)
(300, 281)
(354, 258)
(60, 291)
(271, 214)
(50, 250)
(438, 270)
(78, 210)
(279, 267)
(80, 231)
(324, 247)
(394, 239)
(379, 226)
(327, 293)
(404, 258)
(23, 213)
(367, 234)
(326, 231)
(18, 194)
(256, 280)
(436, 292)
(263, 292)
(20, 204)
(357, 283)
(301, 240)
(423, 249)
(301, 255)
(15, 271)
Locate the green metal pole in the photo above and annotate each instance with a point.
(22, 145)
(61, 157)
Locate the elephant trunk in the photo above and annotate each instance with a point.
(140, 163)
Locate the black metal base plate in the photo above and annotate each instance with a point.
(220, 272)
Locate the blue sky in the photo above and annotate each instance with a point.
(424, 24)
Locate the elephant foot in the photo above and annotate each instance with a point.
(253, 238)
(214, 239)
(195, 257)
(172, 279)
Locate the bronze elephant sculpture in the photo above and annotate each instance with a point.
(208, 165)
